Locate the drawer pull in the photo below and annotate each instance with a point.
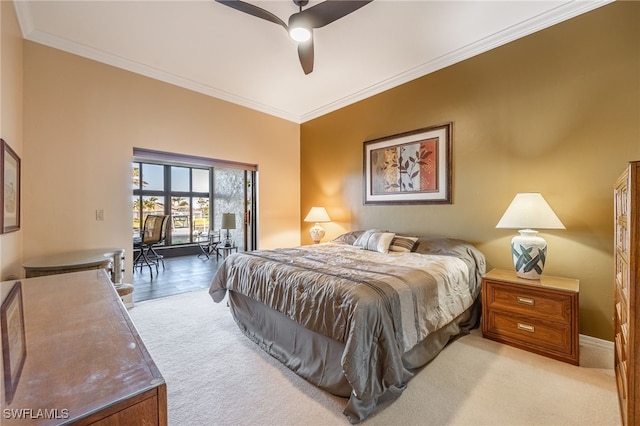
(526, 301)
(526, 327)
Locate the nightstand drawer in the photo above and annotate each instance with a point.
(528, 301)
(530, 331)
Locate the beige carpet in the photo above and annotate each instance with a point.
(216, 376)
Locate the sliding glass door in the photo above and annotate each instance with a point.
(233, 195)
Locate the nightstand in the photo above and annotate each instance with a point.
(539, 316)
(225, 251)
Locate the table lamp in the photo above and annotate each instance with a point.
(317, 215)
(529, 210)
(228, 222)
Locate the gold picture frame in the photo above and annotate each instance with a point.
(409, 168)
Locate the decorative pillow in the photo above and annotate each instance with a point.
(375, 240)
(403, 244)
(348, 238)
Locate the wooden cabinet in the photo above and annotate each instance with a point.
(540, 316)
(85, 362)
(626, 294)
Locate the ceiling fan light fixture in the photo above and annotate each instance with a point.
(300, 34)
(302, 23)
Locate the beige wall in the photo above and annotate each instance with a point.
(556, 112)
(10, 121)
(81, 122)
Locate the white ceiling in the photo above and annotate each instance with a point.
(216, 50)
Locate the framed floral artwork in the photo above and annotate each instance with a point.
(409, 168)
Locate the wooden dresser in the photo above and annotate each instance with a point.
(539, 316)
(626, 292)
(85, 362)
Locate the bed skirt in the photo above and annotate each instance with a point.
(318, 359)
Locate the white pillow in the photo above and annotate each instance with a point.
(375, 240)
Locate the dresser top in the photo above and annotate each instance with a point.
(545, 281)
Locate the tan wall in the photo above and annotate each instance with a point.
(10, 122)
(81, 122)
(556, 112)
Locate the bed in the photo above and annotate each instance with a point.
(355, 316)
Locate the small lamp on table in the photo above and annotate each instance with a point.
(317, 215)
(529, 210)
(228, 222)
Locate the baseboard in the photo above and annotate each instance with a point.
(595, 342)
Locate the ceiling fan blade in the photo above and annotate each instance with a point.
(330, 10)
(305, 53)
(253, 10)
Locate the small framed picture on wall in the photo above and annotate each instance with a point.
(10, 185)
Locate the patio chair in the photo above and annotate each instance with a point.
(209, 243)
(154, 232)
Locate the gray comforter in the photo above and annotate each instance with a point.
(378, 305)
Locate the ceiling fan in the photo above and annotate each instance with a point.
(301, 24)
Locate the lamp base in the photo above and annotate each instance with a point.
(227, 242)
(317, 233)
(529, 253)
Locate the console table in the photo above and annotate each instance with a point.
(85, 362)
(109, 259)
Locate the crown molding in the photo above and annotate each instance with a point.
(157, 74)
(23, 13)
(30, 33)
(532, 25)
(559, 14)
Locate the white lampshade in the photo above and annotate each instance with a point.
(529, 251)
(529, 210)
(317, 215)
